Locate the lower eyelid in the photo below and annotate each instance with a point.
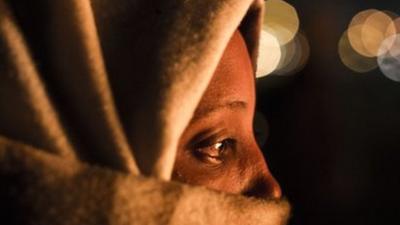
(206, 159)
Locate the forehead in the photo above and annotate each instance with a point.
(233, 80)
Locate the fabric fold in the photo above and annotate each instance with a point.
(167, 53)
(78, 69)
(74, 193)
(94, 96)
(26, 111)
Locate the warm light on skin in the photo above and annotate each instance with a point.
(281, 20)
(218, 148)
(269, 54)
(352, 59)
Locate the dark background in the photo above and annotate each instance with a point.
(334, 134)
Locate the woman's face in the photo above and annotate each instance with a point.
(218, 148)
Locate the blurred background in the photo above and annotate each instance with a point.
(328, 84)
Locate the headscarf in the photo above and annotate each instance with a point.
(94, 95)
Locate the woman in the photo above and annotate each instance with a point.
(103, 101)
(218, 148)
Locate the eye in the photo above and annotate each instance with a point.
(214, 152)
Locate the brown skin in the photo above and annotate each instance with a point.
(218, 148)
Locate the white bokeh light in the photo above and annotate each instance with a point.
(281, 20)
(296, 57)
(389, 59)
(269, 54)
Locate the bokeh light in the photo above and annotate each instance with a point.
(396, 25)
(269, 54)
(281, 20)
(288, 53)
(376, 28)
(352, 59)
(368, 29)
(371, 40)
(389, 58)
(355, 30)
(355, 40)
(282, 49)
(296, 56)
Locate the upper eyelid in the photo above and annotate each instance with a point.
(230, 142)
(208, 142)
(207, 136)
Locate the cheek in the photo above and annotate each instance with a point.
(234, 174)
(229, 177)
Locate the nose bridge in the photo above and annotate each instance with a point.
(262, 183)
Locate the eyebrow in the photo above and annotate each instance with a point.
(231, 105)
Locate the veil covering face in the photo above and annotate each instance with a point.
(94, 95)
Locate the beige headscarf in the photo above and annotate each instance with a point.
(94, 96)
